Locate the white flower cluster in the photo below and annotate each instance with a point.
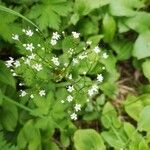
(55, 38)
(75, 35)
(28, 32)
(55, 60)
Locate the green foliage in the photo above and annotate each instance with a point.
(108, 39)
(88, 139)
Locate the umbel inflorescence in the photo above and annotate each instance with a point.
(62, 62)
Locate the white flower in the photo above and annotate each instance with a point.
(70, 89)
(23, 30)
(75, 34)
(70, 76)
(89, 42)
(62, 101)
(77, 107)
(42, 93)
(93, 90)
(39, 45)
(69, 98)
(105, 55)
(27, 61)
(82, 56)
(97, 50)
(21, 84)
(36, 29)
(14, 74)
(43, 48)
(29, 33)
(15, 37)
(103, 68)
(53, 42)
(23, 93)
(9, 63)
(73, 116)
(75, 61)
(56, 36)
(100, 78)
(38, 67)
(29, 47)
(32, 56)
(55, 61)
(17, 63)
(31, 96)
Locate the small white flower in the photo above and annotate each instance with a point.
(89, 42)
(73, 116)
(55, 36)
(75, 34)
(69, 98)
(105, 55)
(38, 67)
(75, 61)
(36, 29)
(100, 78)
(70, 88)
(29, 33)
(27, 61)
(82, 56)
(9, 63)
(55, 61)
(42, 93)
(77, 107)
(39, 45)
(23, 30)
(17, 63)
(23, 93)
(14, 74)
(103, 68)
(93, 90)
(53, 42)
(88, 100)
(29, 47)
(62, 101)
(43, 48)
(32, 56)
(31, 96)
(70, 76)
(21, 84)
(15, 37)
(97, 50)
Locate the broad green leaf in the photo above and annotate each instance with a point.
(83, 7)
(123, 48)
(133, 106)
(112, 139)
(124, 7)
(144, 120)
(9, 116)
(109, 28)
(138, 22)
(146, 68)
(88, 139)
(142, 45)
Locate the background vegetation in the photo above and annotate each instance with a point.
(119, 117)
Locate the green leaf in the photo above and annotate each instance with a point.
(87, 139)
(5, 76)
(9, 116)
(124, 7)
(109, 28)
(83, 7)
(146, 68)
(138, 22)
(123, 48)
(144, 120)
(48, 14)
(142, 45)
(133, 106)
